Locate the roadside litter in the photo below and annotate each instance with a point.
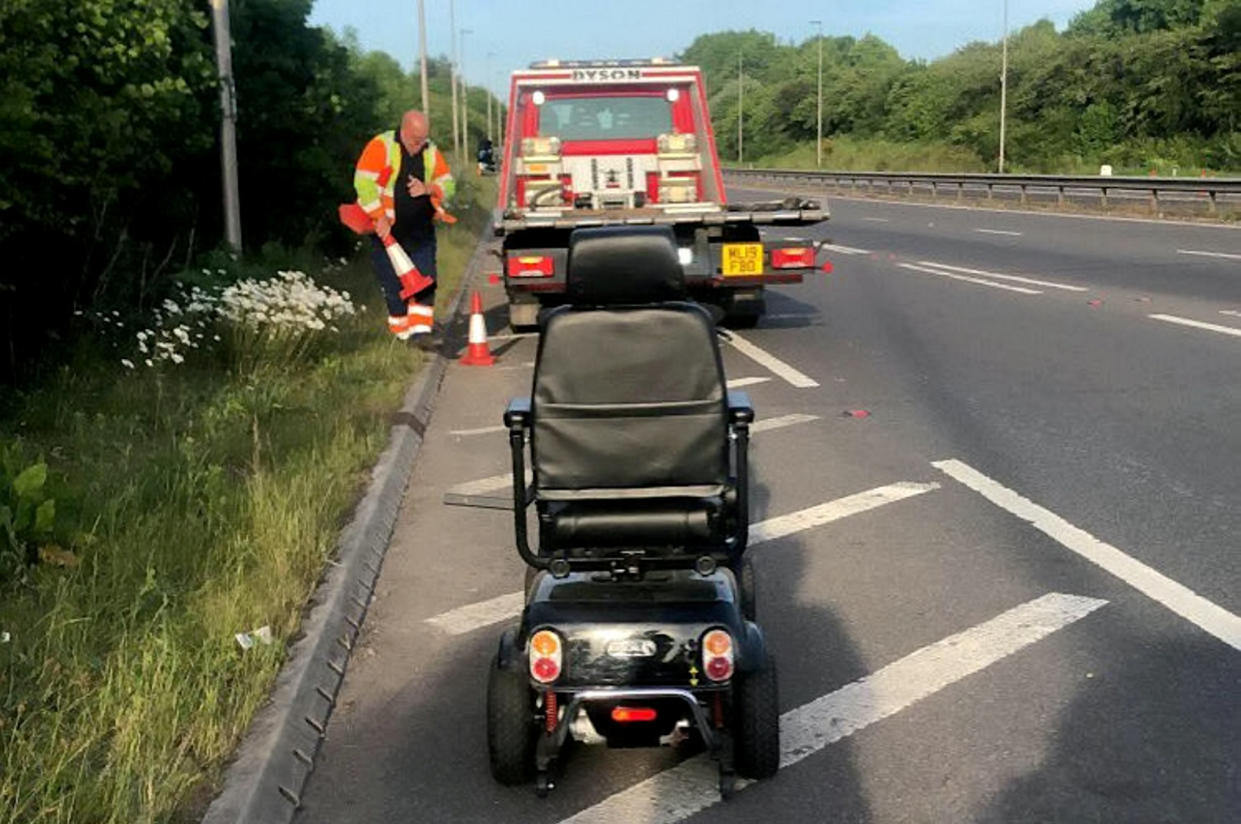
(262, 635)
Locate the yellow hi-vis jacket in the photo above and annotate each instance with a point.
(374, 177)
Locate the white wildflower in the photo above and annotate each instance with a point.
(127, 363)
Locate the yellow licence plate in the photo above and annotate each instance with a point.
(743, 259)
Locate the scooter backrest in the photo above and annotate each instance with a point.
(628, 387)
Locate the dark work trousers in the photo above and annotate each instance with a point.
(422, 253)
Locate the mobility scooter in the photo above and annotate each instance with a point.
(638, 627)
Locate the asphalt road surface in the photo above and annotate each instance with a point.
(1011, 588)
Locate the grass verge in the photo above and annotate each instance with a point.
(202, 503)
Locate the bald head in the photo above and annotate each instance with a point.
(414, 131)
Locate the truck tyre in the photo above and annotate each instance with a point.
(511, 733)
(756, 722)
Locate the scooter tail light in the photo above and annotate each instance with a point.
(625, 715)
(717, 655)
(545, 656)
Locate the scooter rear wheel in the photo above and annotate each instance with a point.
(511, 732)
(756, 722)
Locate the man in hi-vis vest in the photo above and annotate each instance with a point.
(402, 181)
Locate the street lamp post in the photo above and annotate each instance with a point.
(740, 108)
(422, 56)
(818, 117)
(465, 99)
(452, 79)
(1003, 86)
(487, 83)
(228, 124)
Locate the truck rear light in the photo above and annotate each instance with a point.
(717, 655)
(793, 257)
(531, 266)
(624, 715)
(545, 656)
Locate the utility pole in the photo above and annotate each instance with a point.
(740, 109)
(422, 56)
(228, 124)
(452, 79)
(487, 83)
(465, 99)
(818, 119)
(1003, 86)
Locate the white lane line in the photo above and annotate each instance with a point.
(737, 383)
(969, 279)
(475, 616)
(690, 787)
(1197, 324)
(513, 336)
(795, 522)
(469, 618)
(764, 358)
(1227, 255)
(999, 232)
(767, 424)
(1233, 312)
(876, 219)
(1180, 599)
(1051, 284)
(844, 250)
(485, 430)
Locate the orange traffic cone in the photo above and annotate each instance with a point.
(477, 353)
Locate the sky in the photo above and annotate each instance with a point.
(509, 34)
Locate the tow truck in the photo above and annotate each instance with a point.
(630, 142)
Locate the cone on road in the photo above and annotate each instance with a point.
(477, 352)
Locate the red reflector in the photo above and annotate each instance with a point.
(719, 669)
(827, 266)
(545, 669)
(624, 714)
(792, 257)
(531, 266)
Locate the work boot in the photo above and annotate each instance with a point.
(426, 341)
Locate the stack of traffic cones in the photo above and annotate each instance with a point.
(477, 353)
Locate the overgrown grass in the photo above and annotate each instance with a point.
(200, 502)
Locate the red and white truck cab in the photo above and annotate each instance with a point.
(615, 142)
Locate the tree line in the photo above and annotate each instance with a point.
(1133, 83)
(109, 163)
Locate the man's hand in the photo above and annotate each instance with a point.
(383, 227)
(416, 187)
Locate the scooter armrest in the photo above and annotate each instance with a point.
(517, 415)
(740, 409)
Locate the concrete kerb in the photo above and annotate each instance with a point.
(264, 783)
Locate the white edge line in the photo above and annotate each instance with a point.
(690, 787)
(969, 279)
(484, 613)
(1232, 312)
(1197, 324)
(1227, 255)
(777, 366)
(999, 232)
(1017, 278)
(1207, 615)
